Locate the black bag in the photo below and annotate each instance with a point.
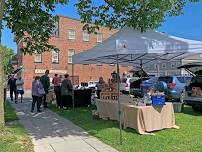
(57, 88)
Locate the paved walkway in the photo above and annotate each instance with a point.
(52, 133)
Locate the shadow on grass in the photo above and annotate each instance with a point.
(188, 110)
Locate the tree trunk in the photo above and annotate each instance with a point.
(2, 122)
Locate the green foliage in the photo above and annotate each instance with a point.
(32, 21)
(140, 14)
(8, 55)
(13, 136)
(10, 114)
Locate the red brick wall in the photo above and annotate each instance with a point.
(85, 72)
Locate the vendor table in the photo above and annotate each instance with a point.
(82, 97)
(108, 109)
(144, 119)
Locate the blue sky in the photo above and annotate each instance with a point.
(188, 25)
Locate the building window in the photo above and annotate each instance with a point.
(55, 56)
(173, 65)
(71, 34)
(163, 66)
(99, 37)
(70, 54)
(37, 58)
(55, 31)
(86, 36)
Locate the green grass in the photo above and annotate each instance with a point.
(13, 137)
(186, 139)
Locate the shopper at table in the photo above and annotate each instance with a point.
(100, 86)
(66, 92)
(45, 80)
(57, 89)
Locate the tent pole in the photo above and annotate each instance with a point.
(141, 67)
(158, 69)
(73, 86)
(119, 105)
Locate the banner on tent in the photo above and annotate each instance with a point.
(122, 45)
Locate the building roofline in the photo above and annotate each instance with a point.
(68, 17)
(80, 21)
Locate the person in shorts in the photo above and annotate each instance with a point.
(20, 88)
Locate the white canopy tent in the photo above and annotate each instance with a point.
(130, 47)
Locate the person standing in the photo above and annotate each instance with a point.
(36, 95)
(20, 87)
(100, 86)
(45, 80)
(12, 86)
(66, 92)
(57, 89)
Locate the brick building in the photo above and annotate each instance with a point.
(70, 39)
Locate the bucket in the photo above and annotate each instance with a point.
(177, 106)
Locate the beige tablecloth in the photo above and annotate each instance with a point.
(143, 119)
(146, 119)
(108, 109)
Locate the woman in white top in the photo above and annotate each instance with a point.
(20, 87)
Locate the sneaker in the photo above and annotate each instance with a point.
(32, 111)
(39, 111)
(65, 108)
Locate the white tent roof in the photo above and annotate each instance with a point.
(131, 46)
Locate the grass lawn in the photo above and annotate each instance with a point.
(13, 138)
(186, 139)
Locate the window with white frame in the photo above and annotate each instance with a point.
(163, 65)
(55, 31)
(99, 37)
(37, 58)
(86, 36)
(71, 34)
(70, 54)
(55, 56)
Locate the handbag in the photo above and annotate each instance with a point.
(41, 91)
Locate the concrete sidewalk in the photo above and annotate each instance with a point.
(52, 133)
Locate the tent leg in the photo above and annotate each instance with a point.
(73, 86)
(119, 105)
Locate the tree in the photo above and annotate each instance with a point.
(8, 55)
(32, 21)
(139, 14)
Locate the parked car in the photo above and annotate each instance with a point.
(172, 86)
(192, 94)
(137, 87)
(92, 84)
(125, 84)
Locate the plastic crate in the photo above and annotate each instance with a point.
(158, 100)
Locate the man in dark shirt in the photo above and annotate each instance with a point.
(46, 84)
(12, 86)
